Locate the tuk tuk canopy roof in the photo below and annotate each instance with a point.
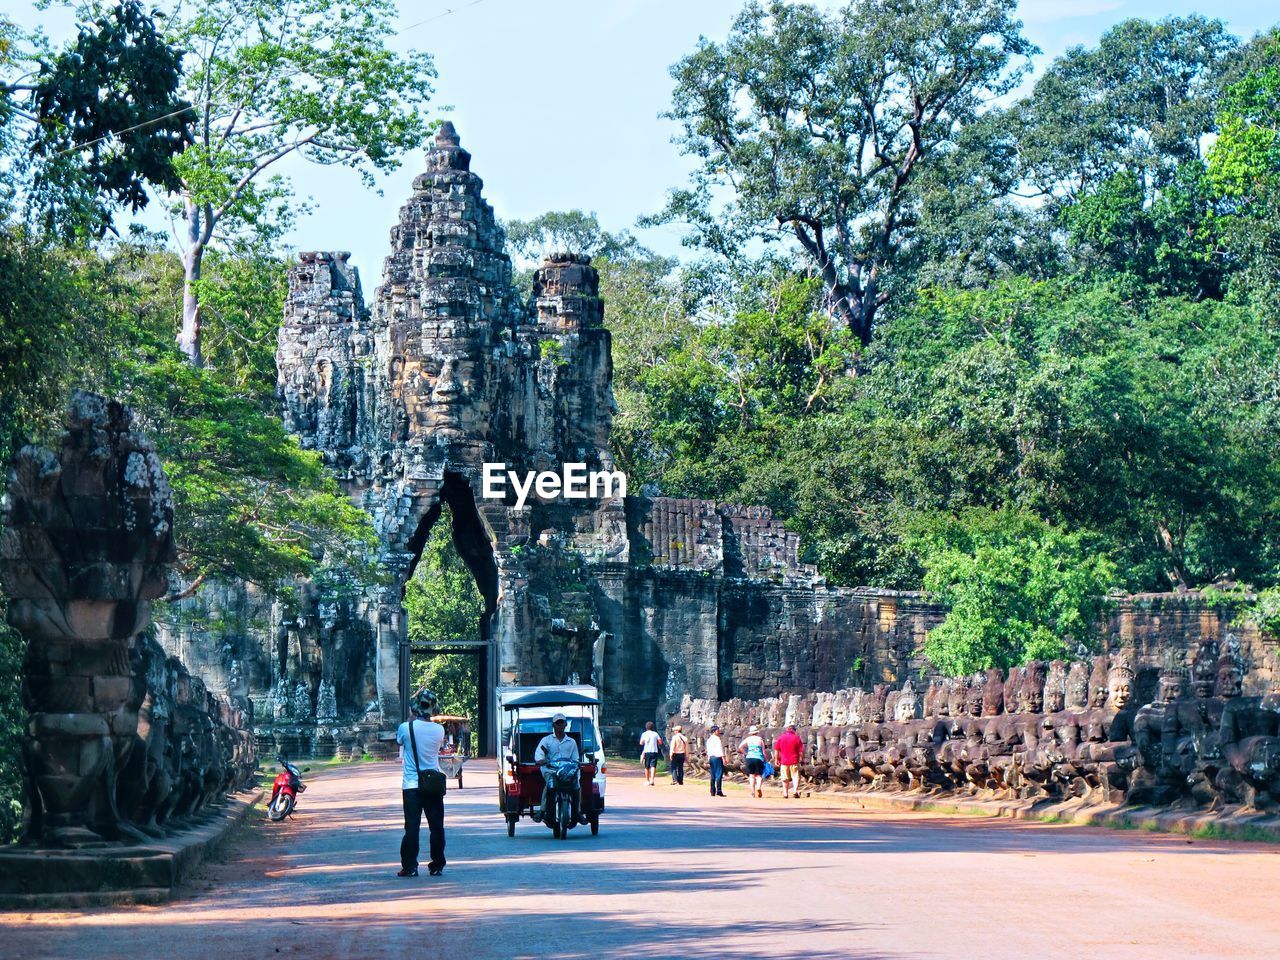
(551, 698)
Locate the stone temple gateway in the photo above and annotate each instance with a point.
(654, 599)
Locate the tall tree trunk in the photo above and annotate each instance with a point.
(189, 336)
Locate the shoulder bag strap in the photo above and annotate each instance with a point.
(413, 743)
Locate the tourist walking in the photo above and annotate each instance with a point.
(788, 752)
(679, 752)
(650, 751)
(715, 761)
(423, 785)
(752, 748)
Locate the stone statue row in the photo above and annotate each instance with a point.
(121, 741)
(1056, 730)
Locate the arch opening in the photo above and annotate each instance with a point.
(449, 606)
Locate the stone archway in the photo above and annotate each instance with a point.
(475, 545)
(448, 369)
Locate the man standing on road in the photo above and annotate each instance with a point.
(422, 784)
(650, 751)
(788, 751)
(715, 760)
(679, 753)
(557, 745)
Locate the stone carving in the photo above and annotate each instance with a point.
(447, 367)
(119, 738)
(907, 706)
(1048, 743)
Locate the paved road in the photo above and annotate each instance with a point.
(675, 873)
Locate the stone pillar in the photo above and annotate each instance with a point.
(86, 544)
(579, 361)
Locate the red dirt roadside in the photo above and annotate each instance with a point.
(676, 873)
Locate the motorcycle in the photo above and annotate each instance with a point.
(562, 778)
(284, 791)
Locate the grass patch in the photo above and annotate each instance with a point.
(1245, 831)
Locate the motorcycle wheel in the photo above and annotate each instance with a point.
(564, 814)
(280, 808)
(595, 826)
(511, 825)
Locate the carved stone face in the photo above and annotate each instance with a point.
(450, 391)
(1077, 686)
(906, 706)
(1034, 696)
(1054, 700)
(1230, 681)
(1098, 685)
(1171, 688)
(840, 709)
(973, 696)
(1119, 692)
(1204, 670)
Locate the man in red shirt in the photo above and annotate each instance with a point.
(788, 751)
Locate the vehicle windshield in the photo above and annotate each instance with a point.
(536, 728)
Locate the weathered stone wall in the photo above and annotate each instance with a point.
(1053, 731)
(120, 737)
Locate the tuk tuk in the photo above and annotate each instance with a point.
(526, 720)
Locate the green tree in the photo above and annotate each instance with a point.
(1139, 103)
(13, 722)
(44, 315)
(1244, 167)
(1016, 589)
(569, 231)
(271, 79)
(92, 127)
(110, 120)
(444, 606)
(815, 127)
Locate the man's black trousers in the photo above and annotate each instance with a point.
(415, 805)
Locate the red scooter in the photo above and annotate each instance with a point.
(285, 790)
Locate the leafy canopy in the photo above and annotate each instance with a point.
(1016, 589)
(814, 126)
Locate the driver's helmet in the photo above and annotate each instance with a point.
(425, 703)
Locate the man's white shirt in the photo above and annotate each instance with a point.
(551, 749)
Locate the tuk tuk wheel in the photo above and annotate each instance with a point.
(459, 779)
(595, 825)
(511, 825)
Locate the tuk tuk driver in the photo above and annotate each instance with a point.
(558, 745)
